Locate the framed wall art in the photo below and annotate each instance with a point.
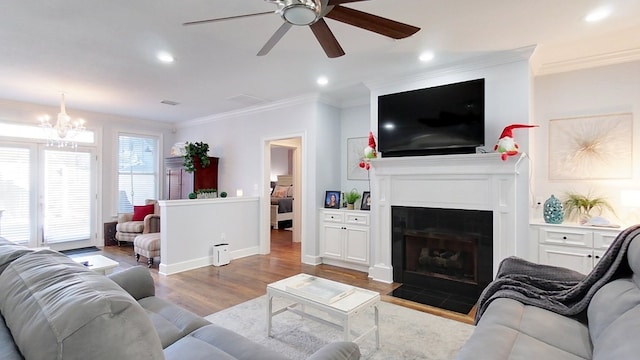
(591, 147)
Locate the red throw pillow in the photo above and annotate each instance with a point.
(139, 212)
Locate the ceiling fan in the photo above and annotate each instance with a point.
(313, 12)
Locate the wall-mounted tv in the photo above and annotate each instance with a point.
(447, 119)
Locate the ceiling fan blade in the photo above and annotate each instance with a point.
(326, 39)
(338, 2)
(377, 24)
(198, 22)
(273, 40)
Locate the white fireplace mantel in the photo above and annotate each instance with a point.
(473, 181)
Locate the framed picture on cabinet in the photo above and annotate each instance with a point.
(366, 201)
(332, 199)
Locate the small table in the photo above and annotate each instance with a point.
(98, 263)
(343, 307)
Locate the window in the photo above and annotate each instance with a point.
(137, 170)
(15, 193)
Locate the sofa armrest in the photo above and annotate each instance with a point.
(124, 217)
(137, 281)
(151, 224)
(340, 350)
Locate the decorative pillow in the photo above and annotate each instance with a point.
(290, 191)
(139, 212)
(280, 191)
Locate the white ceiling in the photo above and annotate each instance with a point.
(102, 53)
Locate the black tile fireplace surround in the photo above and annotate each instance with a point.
(443, 257)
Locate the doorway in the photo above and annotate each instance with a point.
(283, 174)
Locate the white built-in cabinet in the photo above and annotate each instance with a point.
(344, 238)
(575, 247)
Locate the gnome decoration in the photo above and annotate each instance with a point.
(506, 145)
(369, 153)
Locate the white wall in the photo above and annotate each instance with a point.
(280, 164)
(241, 155)
(596, 91)
(355, 123)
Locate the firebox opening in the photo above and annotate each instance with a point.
(443, 257)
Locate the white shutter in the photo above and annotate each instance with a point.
(15, 195)
(67, 194)
(137, 171)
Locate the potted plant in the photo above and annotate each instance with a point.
(351, 197)
(580, 206)
(196, 152)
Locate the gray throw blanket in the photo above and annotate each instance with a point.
(557, 289)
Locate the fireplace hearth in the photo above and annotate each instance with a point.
(443, 257)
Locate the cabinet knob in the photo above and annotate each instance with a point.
(589, 256)
(564, 238)
(597, 257)
(356, 219)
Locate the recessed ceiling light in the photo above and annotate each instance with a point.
(426, 56)
(165, 57)
(322, 81)
(598, 14)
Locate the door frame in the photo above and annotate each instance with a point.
(295, 141)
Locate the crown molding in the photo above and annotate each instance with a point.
(586, 62)
(469, 64)
(303, 99)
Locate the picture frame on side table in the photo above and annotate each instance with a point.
(366, 201)
(332, 199)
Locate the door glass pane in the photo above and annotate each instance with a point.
(15, 197)
(67, 196)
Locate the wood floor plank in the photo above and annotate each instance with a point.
(210, 289)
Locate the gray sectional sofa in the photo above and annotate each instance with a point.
(595, 317)
(53, 308)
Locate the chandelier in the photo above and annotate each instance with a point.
(64, 131)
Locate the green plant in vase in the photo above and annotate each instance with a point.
(351, 197)
(193, 151)
(580, 207)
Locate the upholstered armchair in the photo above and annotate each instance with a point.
(144, 219)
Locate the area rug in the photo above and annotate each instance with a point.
(404, 333)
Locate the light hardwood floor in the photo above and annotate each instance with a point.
(210, 289)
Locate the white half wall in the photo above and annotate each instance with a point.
(190, 228)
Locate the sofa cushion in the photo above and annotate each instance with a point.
(8, 348)
(512, 330)
(225, 344)
(130, 227)
(171, 322)
(9, 252)
(614, 313)
(58, 309)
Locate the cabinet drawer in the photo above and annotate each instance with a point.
(603, 239)
(359, 219)
(566, 237)
(332, 216)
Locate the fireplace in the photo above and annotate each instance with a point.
(443, 257)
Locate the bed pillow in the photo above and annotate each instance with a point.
(280, 191)
(139, 212)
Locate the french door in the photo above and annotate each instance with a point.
(48, 196)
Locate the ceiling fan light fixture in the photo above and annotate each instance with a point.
(301, 12)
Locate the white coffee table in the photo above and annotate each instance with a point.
(344, 309)
(98, 263)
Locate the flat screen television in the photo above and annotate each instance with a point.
(447, 119)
